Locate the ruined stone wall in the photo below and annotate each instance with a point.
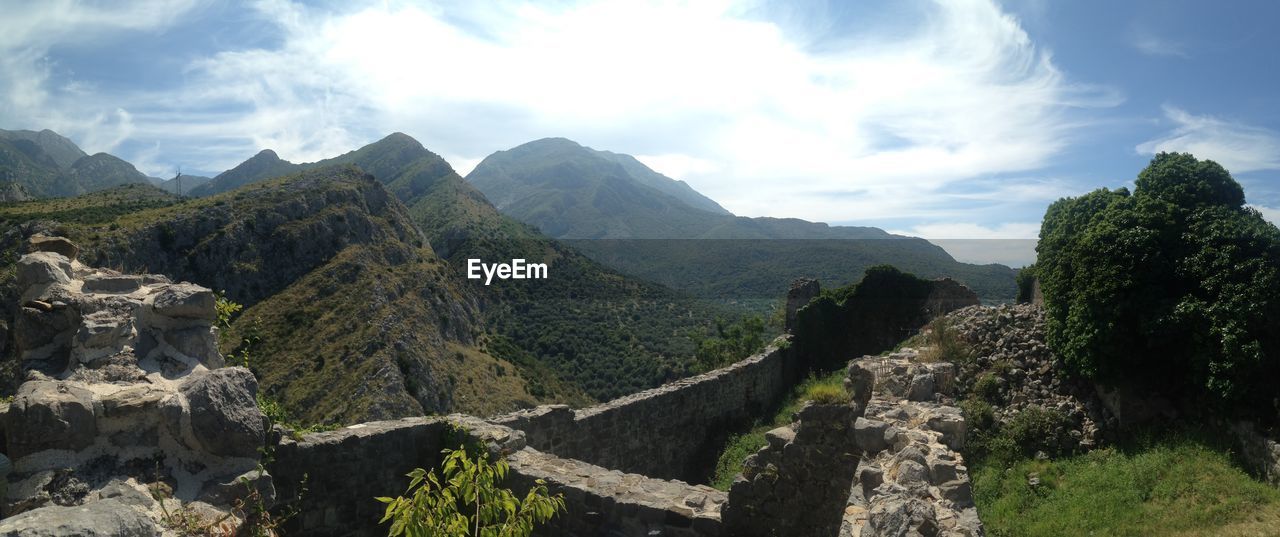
(691, 416)
(345, 470)
(798, 483)
(333, 477)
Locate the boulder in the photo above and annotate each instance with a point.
(58, 245)
(104, 518)
(49, 415)
(34, 328)
(185, 301)
(920, 388)
(225, 418)
(869, 435)
(41, 268)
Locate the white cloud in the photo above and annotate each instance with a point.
(1239, 147)
(879, 122)
(1271, 214)
(29, 30)
(1151, 44)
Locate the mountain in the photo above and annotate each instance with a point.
(188, 183)
(671, 187)
(11, 191)
(586, 327)
(603, 204)
(261, 166)
(349, 316)
(48, 165)
(61, 151)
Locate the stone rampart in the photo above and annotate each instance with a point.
(691, 416)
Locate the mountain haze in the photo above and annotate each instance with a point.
(602, 204)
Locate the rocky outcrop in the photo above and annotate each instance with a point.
(799, 295)
(912, 479)
(125, 395)
(1014, 369)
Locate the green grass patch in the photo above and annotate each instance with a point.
(1178, 485)
(827, 389)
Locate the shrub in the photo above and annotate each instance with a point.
(1174, 287)
(987, 387)
(464, 499)
(1026, 280)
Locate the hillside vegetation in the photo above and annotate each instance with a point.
(585, 329)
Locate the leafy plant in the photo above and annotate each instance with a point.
(465, 499)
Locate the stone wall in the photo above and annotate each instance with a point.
(797, 484)
(331, 479)
(691, 416)
(343, 471)
(912, 479)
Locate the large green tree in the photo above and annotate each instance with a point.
(1174, 287)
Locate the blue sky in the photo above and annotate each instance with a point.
(958, 119)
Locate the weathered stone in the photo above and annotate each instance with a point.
(225, 418)
(112, 283)
(860, 382)
(952, 427)
(42, 268)
(135, 401)
(196, 342)
(104, 518)
(920, 388)
(34, 328)
(958, 491)
(49, 415)
(185, 301)
(779, 437)
(57, 245)
(869, 435)
(252, 483)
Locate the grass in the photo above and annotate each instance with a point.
(1178, 485)
(827, 389)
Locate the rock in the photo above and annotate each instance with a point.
(860, 382)
(920, 388)
(41, 268)
(49, 415)
(224, 411)
(135, 401)
(104, 518)
(869, 435)
(185, 301)
(196, 342)
(35, 328)
(112, 283)
(57, 245)
(958, 491)
(952, 427)
(909, 473)
(227, 491)
(780, 437)
(902, 516)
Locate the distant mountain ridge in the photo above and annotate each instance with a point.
(602, 204)
(45, 164)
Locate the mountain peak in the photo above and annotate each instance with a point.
(266, 154)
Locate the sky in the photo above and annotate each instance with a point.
(959, 121)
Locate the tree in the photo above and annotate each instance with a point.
(1173, 288)
(465, 499)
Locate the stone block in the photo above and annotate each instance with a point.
(49, 415)
(225, 418)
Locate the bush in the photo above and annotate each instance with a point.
(1174, 288)
(464, 499)
(1026, 280)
